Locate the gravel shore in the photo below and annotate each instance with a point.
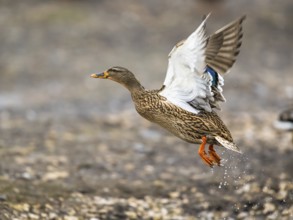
(73, 148)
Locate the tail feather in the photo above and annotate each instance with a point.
(227, 144)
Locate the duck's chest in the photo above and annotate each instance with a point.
(161, 112)
(167, 117)
(150, 106)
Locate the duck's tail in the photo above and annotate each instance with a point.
(227, 144)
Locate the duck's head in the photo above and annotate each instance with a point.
(120, 75)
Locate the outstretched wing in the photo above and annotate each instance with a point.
(224, 45)
(193, 81)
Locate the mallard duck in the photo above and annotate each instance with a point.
(285, 121)
(192, 90)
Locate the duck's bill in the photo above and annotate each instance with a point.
(103, 75)
(97, 75)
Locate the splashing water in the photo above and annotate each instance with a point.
(233, 169)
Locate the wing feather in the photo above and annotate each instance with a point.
(193, 81)
(224, 45)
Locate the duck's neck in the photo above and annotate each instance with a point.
(134, 86)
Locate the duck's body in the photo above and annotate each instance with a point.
(188, 126)
(192, 89)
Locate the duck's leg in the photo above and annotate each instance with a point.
(203, 154)
(214, 156)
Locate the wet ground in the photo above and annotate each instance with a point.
(72, 147)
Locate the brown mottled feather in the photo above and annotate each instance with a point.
(185, 125)
(223, 46)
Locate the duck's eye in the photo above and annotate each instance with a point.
(116, 69)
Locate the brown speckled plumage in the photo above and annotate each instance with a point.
(204, 127)
(185, 125)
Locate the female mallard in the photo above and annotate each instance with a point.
(191, 90)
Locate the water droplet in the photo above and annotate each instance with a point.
(220, 185)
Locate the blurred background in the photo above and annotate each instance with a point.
(69, 141)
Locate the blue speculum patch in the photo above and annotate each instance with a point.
(214, 75)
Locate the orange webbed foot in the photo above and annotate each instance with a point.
(214, 156)
(203, 154)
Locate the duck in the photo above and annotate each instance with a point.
(186, 103)
(285, 120)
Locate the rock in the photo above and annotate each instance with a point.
(288, 212)
(273, 216)
(33, 216)
(174, 195)
(242, 215)
(3, 198)
(22, 207)
(68, 217)
(26, 176)
(131, 215)
(52, 215)
(268, 208)
(55, 175)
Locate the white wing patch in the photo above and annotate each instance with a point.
(186, 81)
(193, 81)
